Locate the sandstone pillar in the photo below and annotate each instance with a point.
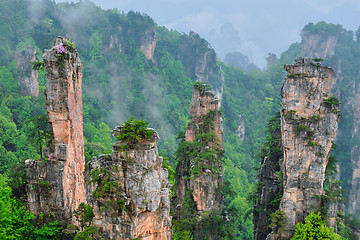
(309, 124)
(137, 203)
(61, 174)
(199, 174)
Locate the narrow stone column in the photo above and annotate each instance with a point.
(199, 173)
(309, 124)
(56, 183)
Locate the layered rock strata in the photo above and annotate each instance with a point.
(199, 174)
(309, 121)
(27, 77)
(65, 159)
(137, 204)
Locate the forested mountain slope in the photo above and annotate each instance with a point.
(133, 67)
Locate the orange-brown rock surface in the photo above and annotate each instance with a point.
(308, 126)
(148, 44)
(199, 177)
(66, 153)
(27, 77)
(138, 204)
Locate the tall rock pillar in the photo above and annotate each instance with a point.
(64, 107)
(199, 173)
(61, 175)
(309, 122)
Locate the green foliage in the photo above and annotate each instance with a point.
(88, 234)
(313, 144)
(105, 186)
(348, 226)
(171, 171)
(84, 214)
(15, 222)
(332, 187)
(301, 128)
(315, 118)
(38, 65)
(39, 133)
(266, 212)
(44, 185)
(278, 219)
(332, 101)
(202, 87)
(70, 45)
(322, 28)
(314, 228)
(48, 231)
(134, 131)
(120, 82)
(196, 158)
(290, 114)
(318, 59)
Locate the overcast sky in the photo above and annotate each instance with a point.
(253, 27)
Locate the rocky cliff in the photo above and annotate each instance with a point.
(129, 192)
(27, 77)
(318, 46)
(309, 121)
(61, 174)
(141, 35)
(330, 45)
(200, 62)
(199, 173)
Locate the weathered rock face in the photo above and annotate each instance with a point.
(199, 178)
(27, 77)
(308, 126)
(240, 131)
(148, 44)
(45, 190)
(147, 41)
(318, 46)
(66, 156)
(202, 102)
(200, 63)
(137, 205)
(324, 46)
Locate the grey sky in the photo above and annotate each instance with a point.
(253, 27)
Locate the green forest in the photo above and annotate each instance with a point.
(121, 81)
